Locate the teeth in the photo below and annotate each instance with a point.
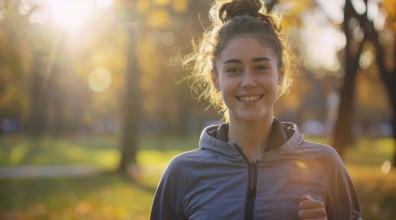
(249, 98)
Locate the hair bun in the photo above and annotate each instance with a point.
(235, 8)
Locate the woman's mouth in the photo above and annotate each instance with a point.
(249, 98)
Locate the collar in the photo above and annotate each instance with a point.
(279, 134)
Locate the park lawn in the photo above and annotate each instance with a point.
(107, 196)
(104, 196)
(111, 196)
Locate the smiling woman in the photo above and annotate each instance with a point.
(252, 166)
(72, 13)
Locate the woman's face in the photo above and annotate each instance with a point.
(247, 76)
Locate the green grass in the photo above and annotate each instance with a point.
(107, 196)
(110, 196)
(18, 150)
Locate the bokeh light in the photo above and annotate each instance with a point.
(386, 167)
(39, 17)
(334, 9)
(366, 59)
(359, 6)
(25, 7)
(99, 80)
(158, 18)
(322, 44)
(180, 6)
(104, 3)
(71, 13)
(162, 2)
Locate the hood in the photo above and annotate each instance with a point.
(284, 136)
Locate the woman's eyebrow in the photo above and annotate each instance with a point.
(232, 61)
(256, 59)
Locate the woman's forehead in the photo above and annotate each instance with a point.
(245, 46)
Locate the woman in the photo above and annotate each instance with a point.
(253, 166)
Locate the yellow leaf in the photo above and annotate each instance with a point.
(180, 6)
(162, 2)
(296, 7)
(390, 7)
(158, 18)
(143, 5)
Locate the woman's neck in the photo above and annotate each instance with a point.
(251, 137)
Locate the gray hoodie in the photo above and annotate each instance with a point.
(217, 181)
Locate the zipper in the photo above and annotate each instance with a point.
(251, 195)
(252, 177)
(251, 187)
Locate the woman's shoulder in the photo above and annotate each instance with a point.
(320, 152)
(317, 147)
(186, 161)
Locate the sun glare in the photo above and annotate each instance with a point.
(104, 3)
(334, 9)
(71, 13)
(99, 80)
(322, 43)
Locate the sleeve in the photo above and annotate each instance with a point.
(168, 198)
(342, 202)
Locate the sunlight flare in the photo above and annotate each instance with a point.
(99, 80)
(301, 164)
(72, 13)
(104, 3)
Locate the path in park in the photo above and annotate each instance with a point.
(49, 171)
(66, 171)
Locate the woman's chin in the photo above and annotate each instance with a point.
(251, 116)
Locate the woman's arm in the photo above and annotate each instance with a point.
(168, 198)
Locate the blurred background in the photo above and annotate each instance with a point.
(91, 109)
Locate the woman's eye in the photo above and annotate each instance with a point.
(261, 68)
(233, 70)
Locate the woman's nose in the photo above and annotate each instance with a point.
(248, 80)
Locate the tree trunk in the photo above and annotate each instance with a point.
(343, 135)
(42, 88)
(131, 108)
(343, 126)
(38, 95)
(388, 76)
(389, 79)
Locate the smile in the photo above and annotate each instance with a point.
(249, 98)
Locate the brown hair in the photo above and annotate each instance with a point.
(230, 19)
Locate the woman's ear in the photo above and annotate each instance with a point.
(215, 79)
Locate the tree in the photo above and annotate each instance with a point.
(360, 24)
(360, 30)
(131, 108)
(14, 65)
(353, 49)
(387, 72)
(148, 85)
